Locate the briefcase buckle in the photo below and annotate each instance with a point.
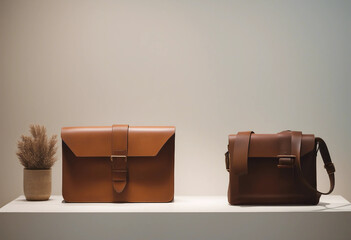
(118, 156)
(286, 161)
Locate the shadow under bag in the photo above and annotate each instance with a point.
(118, 163)
(275, 169)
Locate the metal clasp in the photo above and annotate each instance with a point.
(118, 156)
(119, 164)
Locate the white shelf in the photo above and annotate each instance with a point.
(188, 217)
(181, 204)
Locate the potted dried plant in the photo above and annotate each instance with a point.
(37, 154)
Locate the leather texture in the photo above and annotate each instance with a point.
(118, 164)
(275, 168)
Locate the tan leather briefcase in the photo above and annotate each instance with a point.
(118, 164)
(275, 168)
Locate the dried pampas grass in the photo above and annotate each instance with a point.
(36, 151)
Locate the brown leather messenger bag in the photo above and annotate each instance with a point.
(275, 168)
(118, 163)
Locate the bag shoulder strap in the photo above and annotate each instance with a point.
(296, 138)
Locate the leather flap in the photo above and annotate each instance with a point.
(96, 141)
(268, 145)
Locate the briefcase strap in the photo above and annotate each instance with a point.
(296, 138)
(119, 152)
(241, 153)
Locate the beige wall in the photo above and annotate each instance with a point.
(208, 67)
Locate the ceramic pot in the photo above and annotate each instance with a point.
(37, 184)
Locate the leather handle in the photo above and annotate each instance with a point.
(329, 166)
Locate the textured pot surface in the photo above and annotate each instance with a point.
(37, 184)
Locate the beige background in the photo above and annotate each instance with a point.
(208, 67)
